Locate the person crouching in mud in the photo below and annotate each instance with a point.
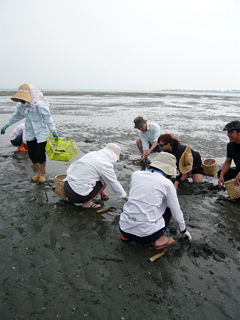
(152, 203)
(233, 153)
(89, 176)
(188, 160)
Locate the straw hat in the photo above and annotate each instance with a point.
(139, 121)
(166, 162)
(115, 148)
(186, 161)
(23, 93)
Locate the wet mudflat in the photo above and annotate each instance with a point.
(59, 261)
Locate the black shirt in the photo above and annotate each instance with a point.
(233, 152)
(177, 151)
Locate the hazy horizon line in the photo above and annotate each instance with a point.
(131, 90)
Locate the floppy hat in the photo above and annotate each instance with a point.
(234, 125)
(186, 161)
(23, 93)
(166, 162)
(139, 121)
(115, 148)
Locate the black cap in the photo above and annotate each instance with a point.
(139, 121)
(234, 125)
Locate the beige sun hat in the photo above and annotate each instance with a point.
(166, 162)
(186, 161)
(23, 93)
(115, 148)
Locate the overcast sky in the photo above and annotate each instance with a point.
(120, 44)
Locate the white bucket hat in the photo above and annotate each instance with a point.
(115, 148)
(166, 162)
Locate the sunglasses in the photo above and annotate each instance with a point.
(162, 145)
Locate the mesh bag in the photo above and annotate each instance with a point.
(209, 167)
(232, 189)
(59, 183)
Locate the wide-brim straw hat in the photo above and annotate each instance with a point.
(186, 161)
(115, 148)
(209, 167)
(232, 189)
(166, 162)
(24, 93)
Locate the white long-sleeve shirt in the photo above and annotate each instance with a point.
(83, 174)
(38, 123)
(150, 194)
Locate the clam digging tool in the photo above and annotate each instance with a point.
(157, 256)
(106, 209)
(143, 159)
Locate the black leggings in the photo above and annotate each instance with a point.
(231, 174)
(36, 151)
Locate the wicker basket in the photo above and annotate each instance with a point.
(59, 183)
(232, 189)
(209, 167)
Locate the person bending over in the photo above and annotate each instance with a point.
(33, 106)
(17, 138)
(152, 203)
(188, 160)
(88, 177)
(148, 136)
(233, 153)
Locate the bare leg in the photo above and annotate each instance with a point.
(36, 178)
(103, 194)
(41, 170)
(184, 177)
(197, 178)
(40, 167)
(139, 145)
(89, 203)
(162, 241)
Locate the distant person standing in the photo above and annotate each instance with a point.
(17, 138)
(148, 136)
(233, 153)
(32, 105)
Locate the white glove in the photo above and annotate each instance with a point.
(187, 233)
